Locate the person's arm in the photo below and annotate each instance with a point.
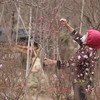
(23, 49)
(58, 63)
(64, 22)
(76, 36)
(50, 61)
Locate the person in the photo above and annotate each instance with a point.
(82, 63)
(23, 49)
(35, 61)
(36, 78)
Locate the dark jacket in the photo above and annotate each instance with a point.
(82, 63)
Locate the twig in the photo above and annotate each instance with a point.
(2, 13)
(21, 18)
(17, 25)
(28, 53)
(81, 16)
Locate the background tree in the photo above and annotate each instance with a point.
(47, 31)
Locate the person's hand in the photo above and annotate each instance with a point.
(49, 61)
(65, 24)
(63, 21)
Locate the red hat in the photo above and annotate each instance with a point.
(93, 39)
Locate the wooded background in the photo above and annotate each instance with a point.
(39, 21)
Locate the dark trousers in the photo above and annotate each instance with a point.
(79, 93)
